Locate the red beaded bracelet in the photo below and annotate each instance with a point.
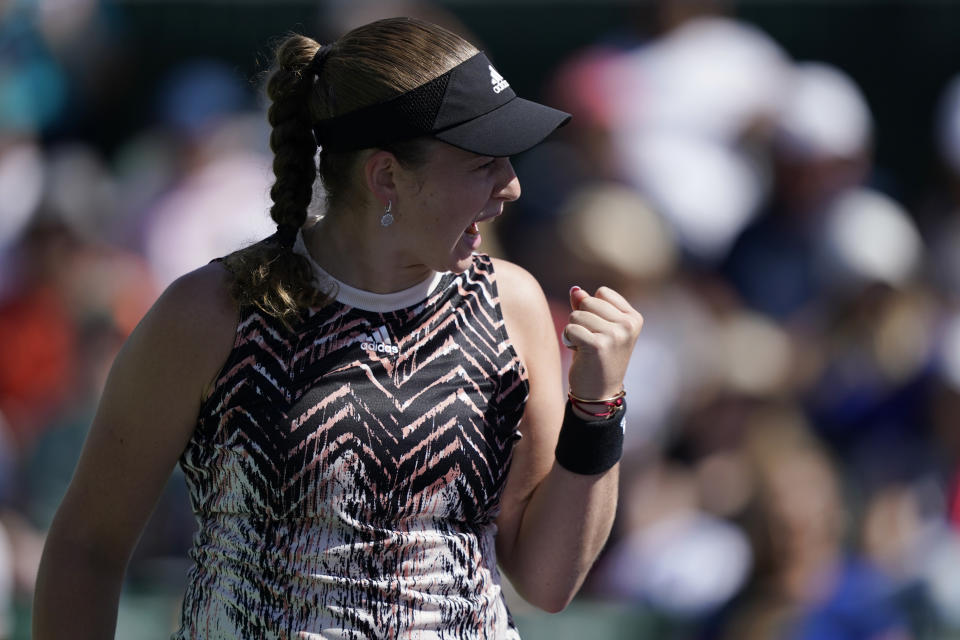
(612, 404)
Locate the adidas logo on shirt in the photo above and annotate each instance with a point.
(379, 341)
(499, 84)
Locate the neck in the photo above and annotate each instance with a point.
(360, 255)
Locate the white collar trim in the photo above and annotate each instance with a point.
(368, 300)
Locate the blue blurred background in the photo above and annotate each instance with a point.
(774, 184)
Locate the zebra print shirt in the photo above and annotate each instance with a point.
(346, 475)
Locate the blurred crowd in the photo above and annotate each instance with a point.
(792, 451)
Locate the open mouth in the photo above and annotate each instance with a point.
(473, 229)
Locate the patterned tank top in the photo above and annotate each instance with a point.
(346, 474)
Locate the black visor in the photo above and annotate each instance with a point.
(471, 107)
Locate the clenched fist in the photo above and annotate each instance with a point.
(601, 331)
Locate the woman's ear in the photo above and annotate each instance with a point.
(380, 171)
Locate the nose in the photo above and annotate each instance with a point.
(508, 185)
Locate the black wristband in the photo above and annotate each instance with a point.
(589, 447)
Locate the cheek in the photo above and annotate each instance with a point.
(455, 203)
(432, 218)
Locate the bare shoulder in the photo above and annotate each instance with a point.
(200, 298)
(188, 332)
(527, 317)
(520, 293)
(195, 311)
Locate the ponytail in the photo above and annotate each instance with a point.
(270, 275)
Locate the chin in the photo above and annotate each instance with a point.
(460, 265)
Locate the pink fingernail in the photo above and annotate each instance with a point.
(574, 288)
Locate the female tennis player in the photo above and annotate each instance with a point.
(367, 410)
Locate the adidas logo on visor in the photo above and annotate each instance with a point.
(499, 84)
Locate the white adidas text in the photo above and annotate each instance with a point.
(379, 347)
(497, 80)
(379, 341)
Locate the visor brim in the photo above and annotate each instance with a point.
(508, 130)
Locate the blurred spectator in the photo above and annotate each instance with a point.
(223, 203)
(674, 558)
(675, 118)
(941, 566)
(942, 226)
(33, 87)
(867, 238)
(686, 108)
(37, 336)
(21, 182)
(81, 191)
(220, 200)
(869, 399)
(806, 585)
(61, 276)
(905, 534)
(821, 148)
(945, 406)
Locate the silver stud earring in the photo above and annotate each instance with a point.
(387, 219)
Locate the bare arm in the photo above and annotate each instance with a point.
(145, 418)
(553, 523)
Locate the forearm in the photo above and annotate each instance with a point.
(77, 594)
(553, 522)
(564, 527)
